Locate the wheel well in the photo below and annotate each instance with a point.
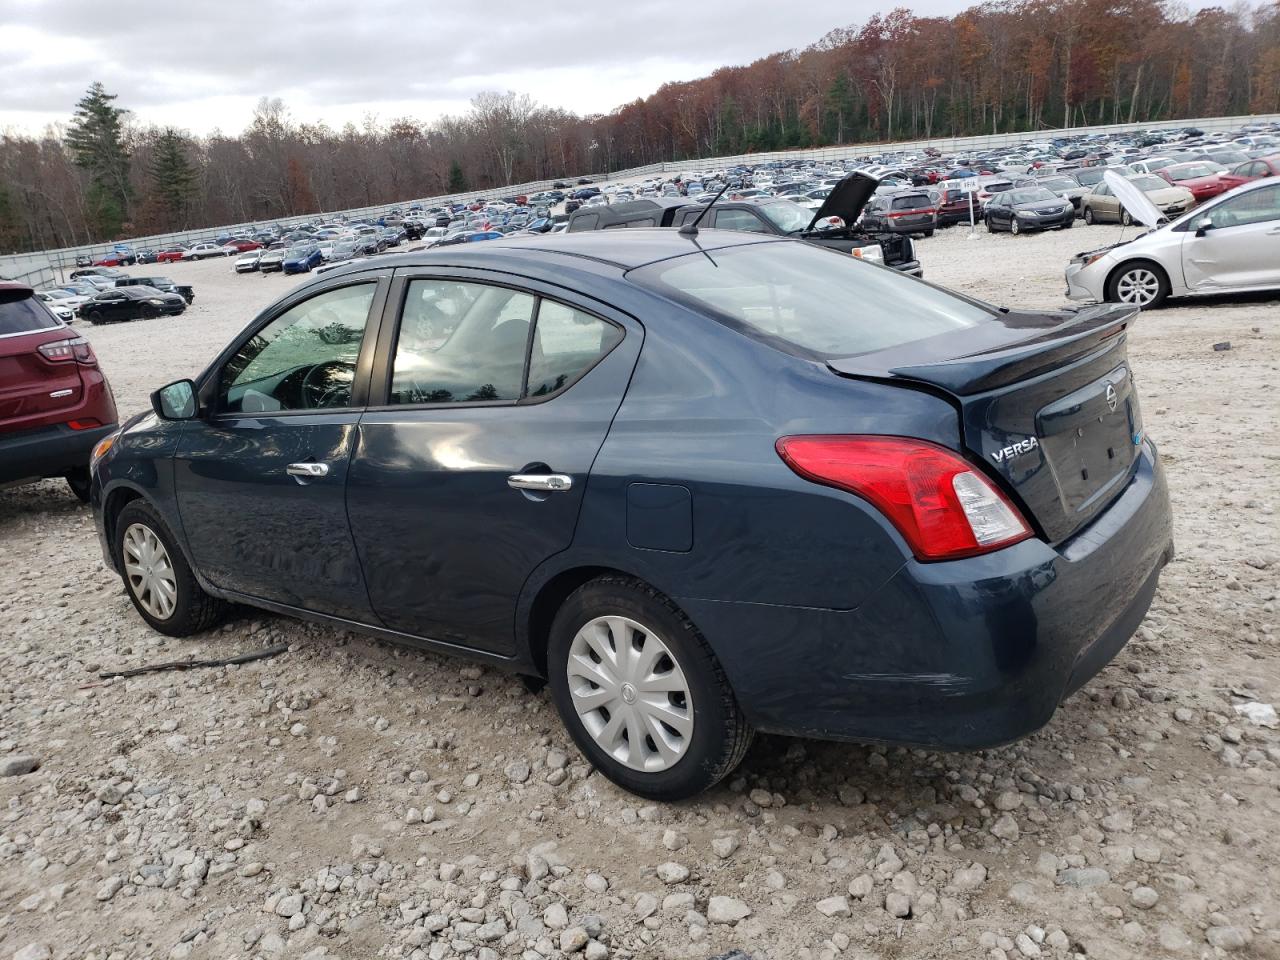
(116, 501)
(548, 601)
(1115, 272)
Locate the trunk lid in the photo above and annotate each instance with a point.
(1046, 404)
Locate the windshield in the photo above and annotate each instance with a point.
(808, 301)
(1149, 183)
(298, 251)
(1058, 183)
(1193, 170)
(1031, 195)
(787, 217)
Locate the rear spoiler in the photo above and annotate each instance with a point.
(1011, 348)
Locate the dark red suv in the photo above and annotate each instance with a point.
(55, 404)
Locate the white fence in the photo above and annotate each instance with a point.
(44, 266)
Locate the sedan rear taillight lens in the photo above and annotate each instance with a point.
(943, 508)
(74, 348)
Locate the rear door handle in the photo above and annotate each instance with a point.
(308, 471)
(543, 482)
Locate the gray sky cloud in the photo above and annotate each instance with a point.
(201, 66)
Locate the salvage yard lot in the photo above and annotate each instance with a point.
(350, 799)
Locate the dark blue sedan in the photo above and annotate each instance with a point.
(302, 258)
(701, 485)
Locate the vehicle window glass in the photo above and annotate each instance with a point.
(739, 220)
(915, 201)
(1255, 206)
(585, 222)
(566, 342)
(305, 358)
(22, 313)
(809, 301)
(460, 343)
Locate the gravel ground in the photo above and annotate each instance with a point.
(350, 799)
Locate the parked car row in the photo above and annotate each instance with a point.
(106, 295)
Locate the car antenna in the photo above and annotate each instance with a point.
(690, 229)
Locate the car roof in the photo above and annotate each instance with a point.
(624, 249)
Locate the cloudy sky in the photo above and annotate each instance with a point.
(203, 65)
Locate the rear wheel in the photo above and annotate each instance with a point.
(157, 576)
(1140, 284)
(641, 692)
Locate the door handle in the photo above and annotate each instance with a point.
(308, 471)
(543, 482)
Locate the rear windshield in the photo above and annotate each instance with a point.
(809, 301)
(22, 313)
(914, 202)
(1193, 170)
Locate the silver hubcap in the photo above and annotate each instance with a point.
(149, 571)
(1138, 286)
(630, 693)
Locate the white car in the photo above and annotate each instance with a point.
(63, 298)
(57, 307)
(202, 250)
(248, 262)
(1230, 244)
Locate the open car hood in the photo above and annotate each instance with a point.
(1134, 200)
(846, 199)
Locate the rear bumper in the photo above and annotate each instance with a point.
(47, 452)
(960, 655)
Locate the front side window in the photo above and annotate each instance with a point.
(303, 359)
(1255, 206)
(738, 220)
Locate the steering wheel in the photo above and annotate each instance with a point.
(325, 386)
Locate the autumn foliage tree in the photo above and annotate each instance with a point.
(993, 68)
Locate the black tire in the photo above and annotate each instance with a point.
(149, 312)
(1125, 219)
(94, 317)
(1069, 224)
(1119, 275)
(79, 482)
(1088, 216)
(928, 233)
(990, 226)
(194, 611)
(721, 734)
(1013, 225)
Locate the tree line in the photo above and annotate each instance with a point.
(995, 68)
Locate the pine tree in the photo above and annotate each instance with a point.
(173, 177)
(96, 141)
(457, 179)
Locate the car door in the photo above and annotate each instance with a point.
(498, 393)
(115, 305)
(997, 211)
(261, 477)
(1242, 249)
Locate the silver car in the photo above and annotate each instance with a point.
(1231, 244)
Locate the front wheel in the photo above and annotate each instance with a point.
(641, 692)
(1125, 219)
(79, 482)
(158, 578)
(1140, 284)
(990, 226)
(1088, 216)
(1013, 227)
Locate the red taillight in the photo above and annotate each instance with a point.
(943, 508)
(74, 348)
(87, 424)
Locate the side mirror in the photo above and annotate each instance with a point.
(177, 401)
(1203, 226)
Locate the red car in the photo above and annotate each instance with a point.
(1202, 177)
(55, 403)
(1268, 166)
(243, 246)
(170, 255)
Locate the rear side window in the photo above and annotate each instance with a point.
(20, 312)
(808, 301)
(566, 343)
(462, 342)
